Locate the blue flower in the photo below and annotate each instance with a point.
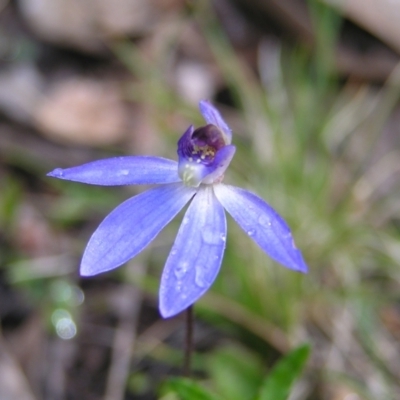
(196, 256)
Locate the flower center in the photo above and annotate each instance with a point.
(204, 152)
(198, 150)
(205, 142)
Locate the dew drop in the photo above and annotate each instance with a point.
(185, 221)
(210, 236)
(58, 172)
(251, 232)
(181, 269)
(223, 237)
(200, 277)
(264, 221)
(125, 172)
(173, 252)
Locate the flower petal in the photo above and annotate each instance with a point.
(196, 256)
(184, 143)
(130, 227)
(262, 223)
(122, 171)
(215, 171)
(212, 116)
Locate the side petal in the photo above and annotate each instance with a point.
(263, 224)
(130, 227)
(215, 171)
(196, 256)
(122, 171)
(212, 116)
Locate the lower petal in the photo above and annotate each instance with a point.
(263, 224)
(130, 227)
(196, 256)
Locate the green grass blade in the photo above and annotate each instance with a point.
(187, 389)
(279, 382)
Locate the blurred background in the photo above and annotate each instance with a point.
(311, 90)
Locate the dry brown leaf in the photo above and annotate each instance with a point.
(83, 111)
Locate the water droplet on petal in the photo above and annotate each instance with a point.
(251, 232)
(210, 235)
(173, 252)
(223, 237)
(58, 172)
(181, 269)
(264, 220)
(125, 172)
(200, 278)
(185, 221)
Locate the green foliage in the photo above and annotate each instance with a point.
(186, 389)
(278, 384)
(9, 200)
(238, 375)
(78, 202)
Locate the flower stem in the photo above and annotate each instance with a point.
(188, 342)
